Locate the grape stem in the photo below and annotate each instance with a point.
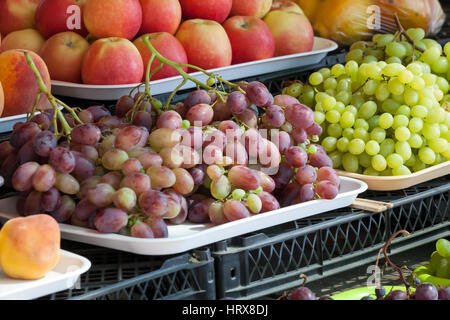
(388, 261)
(403, 32)
(56, 103)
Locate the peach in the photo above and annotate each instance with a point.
(26, 39)
(55, 16)
(217, 10)
(63, 53)
(17, 15)
(29, 246)
(2, 99)
(309, 7)
(286, 5)
(113, 18)
(169, 47)
(112, 61)
(206, 43)
(255, 8)
(160, 16)
(292, 32)
(250, 39)
(19, 82)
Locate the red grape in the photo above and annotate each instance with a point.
(283, 176)
(64, 210)
(258, 93)
(426, 291)
(328, 173)
(296, 156)
(86, 134)
(244, 178)
(110, 220)
(269, 202)
(320, 159)
(142, 230)
(98, 112)
(131, 137)
(314, 130)
(235, 210)
(50, 200)
(300, 116)
(299, 135)
(143, 119)
(397, 295)
(112, 178)
(153, 203)
(23, 176)
(306, 175)
(200, 115)
(237, 102)
(216, 215)
(249, 117)
(86, 116)
(197, 97)
(199, 213)
(302, 293)
(275, 116)
(123, 105)
(26, 153)
(169, 119)
(44, 178)
(84, 209)
(158, 226)
(44, 143)
(306, 193)
(139, 182)
(327, 190)
(101, 195)
(26, 132)
(131, 165)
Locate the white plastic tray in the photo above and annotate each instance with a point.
(188, 236)
(63, 276)
(233, 72)
(7, 123)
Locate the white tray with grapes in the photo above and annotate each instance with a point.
(187, 236)
(238, 71)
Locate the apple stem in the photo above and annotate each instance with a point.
(42, 88)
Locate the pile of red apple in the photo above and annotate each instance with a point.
(99, 42)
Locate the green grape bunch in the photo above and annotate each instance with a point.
(385, 112)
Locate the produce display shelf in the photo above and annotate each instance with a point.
(260, 264)
(116, 275)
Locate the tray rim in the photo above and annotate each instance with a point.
(191, 241)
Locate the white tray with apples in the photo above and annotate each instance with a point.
(188, 236)
(238, 71)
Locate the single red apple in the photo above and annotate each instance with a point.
(160, 16)
(217, 10)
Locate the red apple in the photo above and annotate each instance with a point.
(255, 8)
(63, 53)
(112, 61)
(217, 10)
(17, 15)
(286, 5)
(169, 47)
(55, 16)
(292, 32)
(206, 43)
(113, 18)
(250, 39)
(160, 16)
(26, 39)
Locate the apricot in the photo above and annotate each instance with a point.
(29, 246)
(19, 83)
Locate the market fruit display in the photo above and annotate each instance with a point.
(385, 111)
(19, 83)
(29, 246)
(217, 157)
(12, 19)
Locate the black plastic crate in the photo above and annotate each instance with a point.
(259, 264)
(116, 275)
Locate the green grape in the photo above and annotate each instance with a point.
(394, 161)
(336, 158)
(401, 171)
(315, 78)
(372, 147)
(411, 97)
(382, 39)
(344, 85)
(403, 149)
(361, 123)
(361, 133)
(408, 48)
(392, 60)
(369, 58)
(429, 78)
(367, 110)
(334, 130)
(416, 34)
(427, 93)
(403, 110)
(364, 160)
(351, 67)
(340, 107)
(386, 120)
(438, 94)
(354, 55)
(398, 98)
(238, 194)
(417, 83)
(319, 117)
(427, 155)
(387, 147)
(350, 162)
(381, 64)
(338, 70)
(295, 89)
(419, 111)
(377, 53)
(328, 103)
(419, 165)
(319, 107)
(382, 92)
(386, 173)
(333, 116)
(379, 162)
(363, 45)
(348, 133)
(220, 188)
(395, 49)
(447, 49)
(438, 145)
(329, 144)
(371, 172)
(356, 146)
(330, 92)
(415, 68)
(411, 161)
(378, 134)
(443, 84)
(373, 71)
(395, 86)
(344, 96)
(358, 100)
(405, 76)
(443, 247)
(390, 106)
(254, 203)
(431, 131)
(400, 120)
(320, 97)
(436, 115)
(402, 133)
(326, 72)
(393, 69)
(444, 129)
(370, 87)
(342, 144)
(430, 55)
(373, 122)
(415, 141)
(352, 109)
(330, 83)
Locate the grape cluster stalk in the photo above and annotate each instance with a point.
(227, 152)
